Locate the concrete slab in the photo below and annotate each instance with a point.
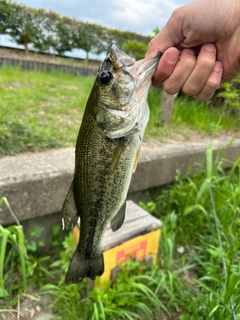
(35, 184)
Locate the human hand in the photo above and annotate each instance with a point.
(207, 34)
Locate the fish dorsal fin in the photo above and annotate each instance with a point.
(118, 219)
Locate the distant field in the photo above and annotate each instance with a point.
(40, 111)
(20, 54)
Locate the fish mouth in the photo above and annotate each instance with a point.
(119, 58)
(140, 71)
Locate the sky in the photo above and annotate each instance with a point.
(140, 16)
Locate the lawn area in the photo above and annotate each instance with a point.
(40, 111)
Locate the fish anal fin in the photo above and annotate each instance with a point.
(81, 267)
(69, 212)
(136, 159)
(118, 219)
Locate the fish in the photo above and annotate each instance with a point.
(106, 155)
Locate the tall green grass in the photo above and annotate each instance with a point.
(204, 117)
(201, 230)
(189, 117)
(14, 235)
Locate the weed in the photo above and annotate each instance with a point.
(200, 216)
(203, 117)
(131, 296)
(22, 269)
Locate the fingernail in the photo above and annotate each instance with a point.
(218, 66)
(210, 47)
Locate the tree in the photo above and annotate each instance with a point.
(57, 33)
(89, 37)
(135, 48)
(156, 31)
(48, 31)
(121, 38)
(113, 36)
(24, 28)
(5, 16)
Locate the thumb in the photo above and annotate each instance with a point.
(170, 36)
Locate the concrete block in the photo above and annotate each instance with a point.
(36, 184)
(158, 164)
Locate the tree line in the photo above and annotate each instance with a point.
(48, 31)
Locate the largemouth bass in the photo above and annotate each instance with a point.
(106, 155)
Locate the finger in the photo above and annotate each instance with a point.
(203, 68)
(182, 71)
(165, 66)
(169, 36)
(212, 84)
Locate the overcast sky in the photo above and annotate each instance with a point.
(140, 16)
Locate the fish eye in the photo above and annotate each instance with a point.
(105, 77)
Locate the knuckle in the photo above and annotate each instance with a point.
(208, 90)
(170, 88)
(206, 63)
(201, 97)
(204, 96)
(190, 63)
(177, 13)
(213, 83)
(190, 90)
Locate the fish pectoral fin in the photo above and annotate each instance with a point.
(136, 159)
(118, 219)
(117, 155)
(69, 212)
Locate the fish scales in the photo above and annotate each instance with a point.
(106, 155)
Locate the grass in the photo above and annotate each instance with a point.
(190, 118)
(197, 275)
(199, 254)
(40, 111)
(204, 117)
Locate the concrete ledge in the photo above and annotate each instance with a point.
(36, 184)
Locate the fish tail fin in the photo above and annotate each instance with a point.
(80, 268)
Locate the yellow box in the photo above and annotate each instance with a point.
(139, 248)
